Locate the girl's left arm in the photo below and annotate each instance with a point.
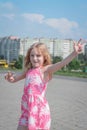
(57, 66)
(14, 78)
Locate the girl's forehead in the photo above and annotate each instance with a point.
(36, 50)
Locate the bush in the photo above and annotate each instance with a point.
(74, 64)
(19, 62)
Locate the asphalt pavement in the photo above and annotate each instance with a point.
(67, 98)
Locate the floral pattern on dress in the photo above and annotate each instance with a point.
(34, 106)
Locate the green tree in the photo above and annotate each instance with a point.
(1, 56)
(18, 65)
(20, 59)
(19, 62)
(57, 59)
(74, 64)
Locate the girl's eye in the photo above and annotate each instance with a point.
(32, 55)
(38, 55)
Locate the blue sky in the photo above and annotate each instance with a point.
(44, 18)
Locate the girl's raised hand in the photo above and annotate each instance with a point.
(10, 77)
(78, 46)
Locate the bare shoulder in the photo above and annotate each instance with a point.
(46, 74)
(45, 69)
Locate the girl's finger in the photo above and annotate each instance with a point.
(10, 74)
(74, 42)
(82, 41)
(79, 42)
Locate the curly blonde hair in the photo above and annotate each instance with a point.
(42, 48)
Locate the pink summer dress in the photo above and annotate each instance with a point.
(34, 106)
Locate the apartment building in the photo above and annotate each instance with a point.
(55, 46)
(9, 48)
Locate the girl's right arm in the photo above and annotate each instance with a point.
(14, 78)
(57, 66)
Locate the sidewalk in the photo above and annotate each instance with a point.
(67, 99)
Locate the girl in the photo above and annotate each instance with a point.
(35, 109)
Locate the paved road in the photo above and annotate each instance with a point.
(67, 99)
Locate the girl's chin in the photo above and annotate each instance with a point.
(36, 66)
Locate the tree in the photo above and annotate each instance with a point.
(18, 65)
(19, 62)
(74, 64)
(57, 59)
(1, 56)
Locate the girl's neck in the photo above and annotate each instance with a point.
(37, 67)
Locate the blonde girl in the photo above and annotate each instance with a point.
(35, 112)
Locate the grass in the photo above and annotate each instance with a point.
(63, 73)
(74, 74)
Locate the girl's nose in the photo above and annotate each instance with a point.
(34, 57)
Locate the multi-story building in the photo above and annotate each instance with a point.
(56, 47)
(9, 48)
(67, 47)
(61, 47)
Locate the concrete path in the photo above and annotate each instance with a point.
(67, 98)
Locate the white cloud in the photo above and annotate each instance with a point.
(34, 17)
(8, 16)
(62, 24)
(42, 25)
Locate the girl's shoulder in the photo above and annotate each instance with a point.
(32, 71)
(46, 75)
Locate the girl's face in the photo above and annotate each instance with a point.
(36, 58)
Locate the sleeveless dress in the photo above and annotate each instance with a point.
(34, 106)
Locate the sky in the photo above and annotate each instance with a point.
(61, 19)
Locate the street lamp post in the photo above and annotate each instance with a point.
(23, 45)
(53, 49)
(8, 56)
(8, 49)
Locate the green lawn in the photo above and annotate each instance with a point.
(74, 74)
(63, 73)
